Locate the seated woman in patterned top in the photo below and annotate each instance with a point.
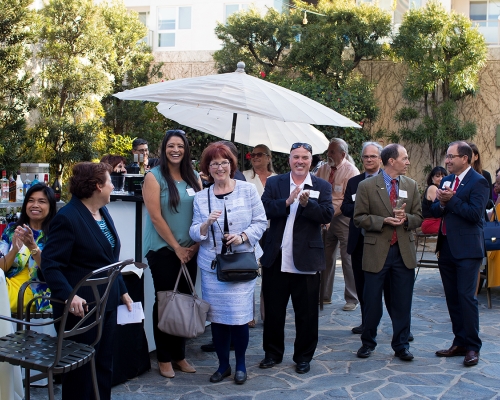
(22, 244)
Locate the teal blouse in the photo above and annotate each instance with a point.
(178, 222)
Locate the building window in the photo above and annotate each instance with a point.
(485, 13)
(171, 20)
(233, 8)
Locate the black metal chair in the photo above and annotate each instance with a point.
(57, 355)
(20, 314)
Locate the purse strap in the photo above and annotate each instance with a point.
(185, 271)
(495, 213)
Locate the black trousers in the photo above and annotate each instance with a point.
(165, 267)
(278, 287)
(77, 384)
(459, 282)
(402, 280)
(359, 278)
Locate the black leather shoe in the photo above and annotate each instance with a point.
(240, 377)
(404, 355)
(302, 367)
(217, 376)
(268, 362)
(358, 330)
(410, 337)
(364, 352)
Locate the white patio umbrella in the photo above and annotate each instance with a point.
(250, 130)
(239, 93)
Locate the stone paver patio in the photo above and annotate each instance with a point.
(336, 372)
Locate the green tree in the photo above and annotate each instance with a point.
(74, 78)
(16, 33)
(259, 41)
(443, 54)
(131, 66)
(338, 35)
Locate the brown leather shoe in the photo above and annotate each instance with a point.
(471, 358)
(453, 351)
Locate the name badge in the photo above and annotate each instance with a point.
(314, 194)
(190, 191)
(338, 188)
(403, 194)
(354, 197)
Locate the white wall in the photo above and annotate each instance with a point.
(204, 16)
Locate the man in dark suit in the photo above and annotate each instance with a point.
(370, 155)
(461, 202)
(389, 248)
(297, 204)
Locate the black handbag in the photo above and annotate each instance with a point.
(492, 233)
(233, 267)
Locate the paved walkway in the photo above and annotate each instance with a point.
(336, 372)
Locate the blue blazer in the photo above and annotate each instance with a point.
(75, 247)
(464, 216)
(308, 253)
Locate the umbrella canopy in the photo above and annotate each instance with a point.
(250, 130)
(237, 92)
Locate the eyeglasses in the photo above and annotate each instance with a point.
(223, 164)
(452, 156)
(259, 154)
(306, 146)
(369, 157)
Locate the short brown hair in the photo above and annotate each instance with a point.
(114, 160)
(86, 177)
(217, 150)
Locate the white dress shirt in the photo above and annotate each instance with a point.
(287, 264)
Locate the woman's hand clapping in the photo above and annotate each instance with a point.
(25, 234)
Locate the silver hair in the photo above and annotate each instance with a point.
(344, 147)
(376, 144)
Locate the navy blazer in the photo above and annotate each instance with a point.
(347, 209)
(75, 247)
(464, 215)
(308, 253)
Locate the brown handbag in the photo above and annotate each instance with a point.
(180, 314)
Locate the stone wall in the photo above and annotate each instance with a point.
(483, 109)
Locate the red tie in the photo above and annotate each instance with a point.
(455, 187)
(331, 178)
(393, 196)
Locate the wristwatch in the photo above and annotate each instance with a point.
(34, 251)
(242, 238)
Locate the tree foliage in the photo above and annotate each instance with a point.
(16, 33)
(444, 55)
(320, 65)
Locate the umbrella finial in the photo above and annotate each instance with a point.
(240, 67)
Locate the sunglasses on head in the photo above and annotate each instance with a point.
(306, 146)
(259, 154)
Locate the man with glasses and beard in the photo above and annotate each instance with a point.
(297, 204)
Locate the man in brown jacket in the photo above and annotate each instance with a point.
(388, 209)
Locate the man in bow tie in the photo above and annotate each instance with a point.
(388, 209)
(461, 201)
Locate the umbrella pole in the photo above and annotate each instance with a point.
(233, 127)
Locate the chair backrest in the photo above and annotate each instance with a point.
(100, 281)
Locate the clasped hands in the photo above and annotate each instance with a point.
(399, 217)
(23, 235)
(444, 195)
(303, 197)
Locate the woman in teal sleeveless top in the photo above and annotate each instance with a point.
(168, 193)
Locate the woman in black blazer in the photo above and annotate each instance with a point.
(82, 238)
